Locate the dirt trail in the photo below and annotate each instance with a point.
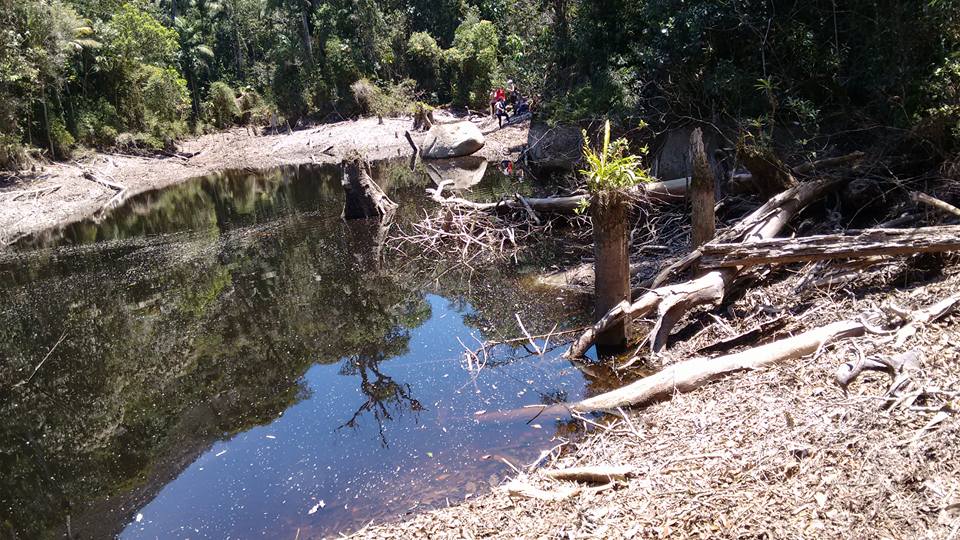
(77, 197)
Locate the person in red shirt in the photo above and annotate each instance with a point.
(498, 94)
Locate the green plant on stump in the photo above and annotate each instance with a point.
(610, 173)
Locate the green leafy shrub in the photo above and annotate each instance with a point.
(613, 167)
(221, 107)
(165, 93)
(393, 99)
(13, 156)
(61, 140)
(423, 58)
(473, 61)
(289, 92)
(97, 124)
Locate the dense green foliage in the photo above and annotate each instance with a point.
(141, 72)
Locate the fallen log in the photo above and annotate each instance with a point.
(598, 474)
(548, 204)
(89, 175)
(671, 302)
(692, 374)
(868, 243)
(667, 192)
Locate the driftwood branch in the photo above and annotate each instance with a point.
(599, 474)
(947, 208)
(692, 374)
(867, 243)
(671, 302)
(89, 175)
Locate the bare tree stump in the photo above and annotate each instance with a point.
(611, 265)
(702, 194)
(363, 197)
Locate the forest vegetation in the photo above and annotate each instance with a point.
(140, 74)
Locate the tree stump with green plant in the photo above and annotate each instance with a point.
(610, 173)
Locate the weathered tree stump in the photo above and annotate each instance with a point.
(702, 193)
(363, 197)
(611, 266)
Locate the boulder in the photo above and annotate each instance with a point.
(553, 148)
(465, 172)
(672, 152)
(452, 140)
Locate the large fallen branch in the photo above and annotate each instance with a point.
(692, 374)
(868, 243)
(667, 191)
(671, 302)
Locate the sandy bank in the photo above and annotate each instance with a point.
(76, 197)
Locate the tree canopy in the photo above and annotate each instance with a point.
(142, 73)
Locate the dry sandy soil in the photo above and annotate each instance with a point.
(24, 210)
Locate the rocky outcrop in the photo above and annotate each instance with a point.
(452, 140)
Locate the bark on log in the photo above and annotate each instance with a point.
(702, 194)
(672, 302)
(868, 243)
(692, 374)
(611, 265)
(363, 197)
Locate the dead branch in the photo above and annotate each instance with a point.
(918, 197)
(809, 167)
(89, 175)
(598, 474)
(32, 193)
(672, 302)
(868, 243)
(517, 488)
(692, 374)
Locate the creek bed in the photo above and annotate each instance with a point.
(236, 361)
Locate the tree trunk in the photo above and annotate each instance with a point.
(363, 197)
(611, 265)
(46, 120)
(307, 39)
(702, 194)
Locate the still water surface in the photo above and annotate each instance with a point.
(235, 361)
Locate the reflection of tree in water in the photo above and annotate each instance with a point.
(385, 397)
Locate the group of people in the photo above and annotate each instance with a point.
(507, 103)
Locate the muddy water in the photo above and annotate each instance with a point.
(226, 358)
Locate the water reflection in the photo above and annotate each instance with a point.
(235, 353)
